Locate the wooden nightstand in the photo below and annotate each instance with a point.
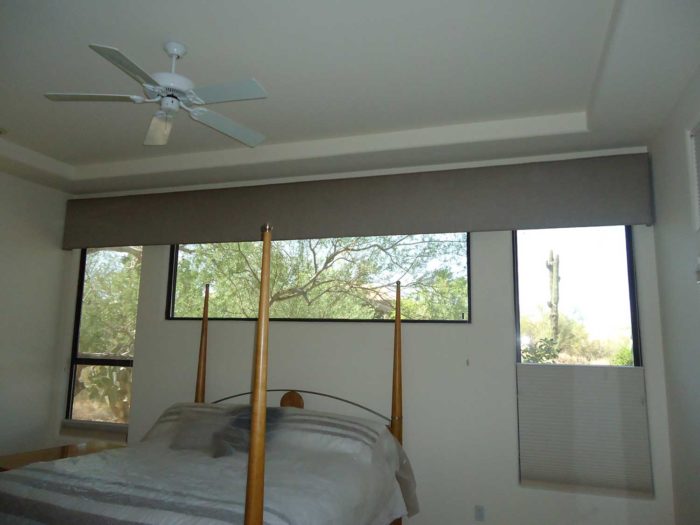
(21, 459)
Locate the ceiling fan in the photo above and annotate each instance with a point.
(172, 92)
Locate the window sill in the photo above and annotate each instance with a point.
(113, 432)
(586, 489)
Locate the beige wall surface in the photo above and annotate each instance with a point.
(32, 270)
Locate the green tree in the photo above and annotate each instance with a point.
(110, 297)
(346, 278)
(543, 350)
(444, 296)
(623, 357)
(574, 346)
(105, 392)
(107, 329)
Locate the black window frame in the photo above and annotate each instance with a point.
(172, 283)
(75, 359)
(634, 306)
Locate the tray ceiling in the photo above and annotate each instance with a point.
(352, 86)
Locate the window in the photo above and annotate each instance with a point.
(103, 338)
(349, 278)
(575, 296)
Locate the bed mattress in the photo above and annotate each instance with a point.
(153, 483)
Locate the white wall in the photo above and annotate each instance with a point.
(677, 251)
(460, 421)
(32, 269)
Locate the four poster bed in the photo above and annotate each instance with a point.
(303, 467)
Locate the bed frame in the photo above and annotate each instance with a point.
(256, 452)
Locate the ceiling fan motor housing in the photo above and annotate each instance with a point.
(171, 84)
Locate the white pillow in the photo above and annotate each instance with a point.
(196, 428)
(295, 427)
(168, 424)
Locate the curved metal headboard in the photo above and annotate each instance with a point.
(321, 394)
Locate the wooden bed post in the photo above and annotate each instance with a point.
(396, 426)
(200, 389)
(255, 486)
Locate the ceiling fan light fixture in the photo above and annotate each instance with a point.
(169, 105)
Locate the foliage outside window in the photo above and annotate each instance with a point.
(105, 331)
(337, 278)
(574, 296)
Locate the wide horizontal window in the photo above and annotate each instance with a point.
(105, 330)
(575, 296)
(350, 278)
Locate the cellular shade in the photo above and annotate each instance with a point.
(580, 192)
(585, 426)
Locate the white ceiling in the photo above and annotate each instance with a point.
(360, 86)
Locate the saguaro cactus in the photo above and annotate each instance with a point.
(553, 267)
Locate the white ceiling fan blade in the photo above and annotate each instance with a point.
(92, 97)
(159, 130)
(120, 60)
(230, 92)
(227, 126)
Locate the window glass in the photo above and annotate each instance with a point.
(574, 297)
(110, 298)
(103, 349)
(102, 393)
(342, 278)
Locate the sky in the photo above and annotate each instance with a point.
(593, 270)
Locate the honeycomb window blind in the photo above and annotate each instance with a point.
(584, 426)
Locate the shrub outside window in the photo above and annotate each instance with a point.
(575, 296)
(351, 278)
(104, 333)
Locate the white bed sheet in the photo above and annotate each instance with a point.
(151, 483)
